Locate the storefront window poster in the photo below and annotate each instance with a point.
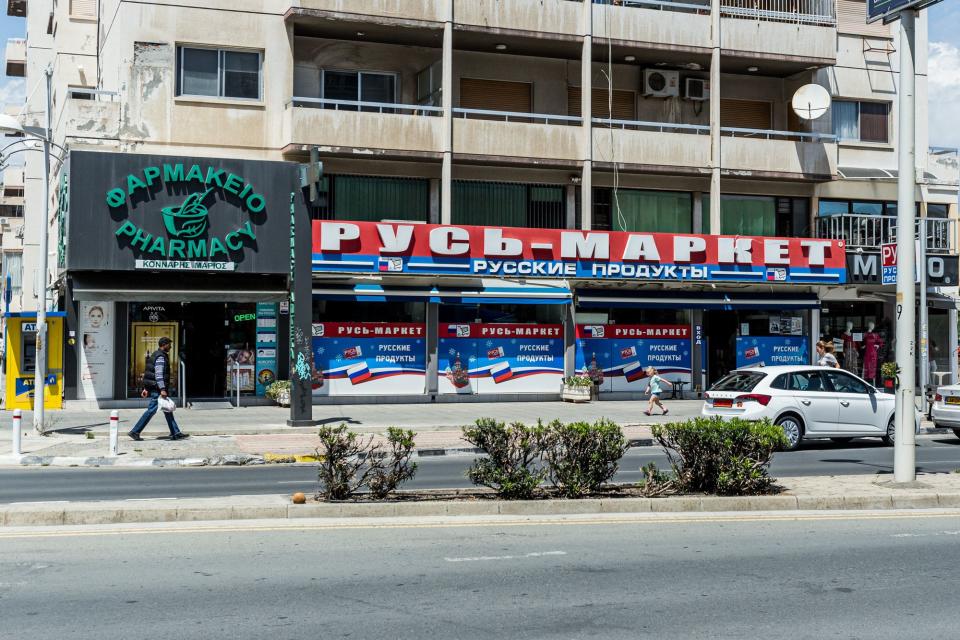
(772, 351)
(369, 358)
(494, 358)
(616, 356)
(266, 358)
(96, 355)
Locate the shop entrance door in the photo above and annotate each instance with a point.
(204, 339)
(720, 329)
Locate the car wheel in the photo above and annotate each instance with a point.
(792, 429)
(890, 438)
(841, 440)
(956, 432)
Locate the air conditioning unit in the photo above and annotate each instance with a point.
(661, 84)
(697, 89)
(4, 222)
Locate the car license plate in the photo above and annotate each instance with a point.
(953, 399)
(723, 403)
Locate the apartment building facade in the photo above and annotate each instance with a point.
(540, 120)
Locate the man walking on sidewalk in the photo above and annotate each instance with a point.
(156, 382)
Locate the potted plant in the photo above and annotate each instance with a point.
(888, 371)
(279, 392)
(577, 388)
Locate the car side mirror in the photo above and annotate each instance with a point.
(871, 390)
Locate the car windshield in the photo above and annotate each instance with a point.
(739, 381)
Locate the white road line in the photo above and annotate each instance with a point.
(148, 499)
(534, 554)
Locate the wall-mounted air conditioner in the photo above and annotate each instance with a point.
(661, 84)
(697, 89)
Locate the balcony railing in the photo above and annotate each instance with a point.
(702, 129)
(512, 116)
(869, 232)
(810, 12)
(366, 107)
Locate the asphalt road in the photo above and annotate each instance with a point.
(30, 484)
(707, 577)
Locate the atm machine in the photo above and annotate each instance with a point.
(20, 360)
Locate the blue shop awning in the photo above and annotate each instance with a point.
(490, 292)
(706, 301)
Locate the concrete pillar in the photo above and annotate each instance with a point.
(814, 332)
(434, 201)
(571, 207)
(953, 346)
(586, 110)
(715, 43)
(433, 325)
(446, 188)
(697, 212)
(569, 341)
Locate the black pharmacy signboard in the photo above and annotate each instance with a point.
(132, 212)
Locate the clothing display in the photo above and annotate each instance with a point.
(851, 353)
(872, 345)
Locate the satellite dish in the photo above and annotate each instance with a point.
(810, 101)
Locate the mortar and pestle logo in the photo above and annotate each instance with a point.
(189, 220)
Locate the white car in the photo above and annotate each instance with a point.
(808, 402)
(946, 408)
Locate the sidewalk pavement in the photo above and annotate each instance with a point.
(867, 495)
(254, 435)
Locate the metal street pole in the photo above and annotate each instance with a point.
(924, 316)
(715, 157)
(904, 453)
(40, 376)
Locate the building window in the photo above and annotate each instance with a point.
(639, 210)
(372, 198)
(13, 269)
(359, 86)
(219, 73)
(861, 121)
(505, 204)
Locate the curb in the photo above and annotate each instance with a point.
(279, 507)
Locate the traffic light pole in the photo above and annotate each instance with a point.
(904, 455)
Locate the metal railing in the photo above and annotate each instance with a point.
(366, 107)
(861, 231)
(702, 129)
(513, 116)
(810, 12)
(641, 125)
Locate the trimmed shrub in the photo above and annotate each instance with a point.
(512, 451)
(725, 457)
(580, 456)
(390, 470)
(349, 462)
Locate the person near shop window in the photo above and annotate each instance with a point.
(825, 357)
(156, 382)
(655, 389)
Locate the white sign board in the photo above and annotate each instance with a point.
(96, 320)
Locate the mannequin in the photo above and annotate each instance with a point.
(872, 345)
(851, 350)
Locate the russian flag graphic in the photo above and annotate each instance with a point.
(359, 373)
(501, 372)
(633, 372)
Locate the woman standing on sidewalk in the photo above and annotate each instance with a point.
(655, 389)
(825, 357)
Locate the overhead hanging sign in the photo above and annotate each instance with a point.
(398, 248)
(888, 10)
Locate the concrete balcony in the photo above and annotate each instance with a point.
(91, 118)
(943, 167)
(802, 31)
(376, 11)
(13, 178)
(339, 126)
(653, 146)
(535, 16)
(778, 154)
(16, 57)
(541, 138)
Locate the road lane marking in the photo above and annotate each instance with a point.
(532, 554)
(230, 526)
